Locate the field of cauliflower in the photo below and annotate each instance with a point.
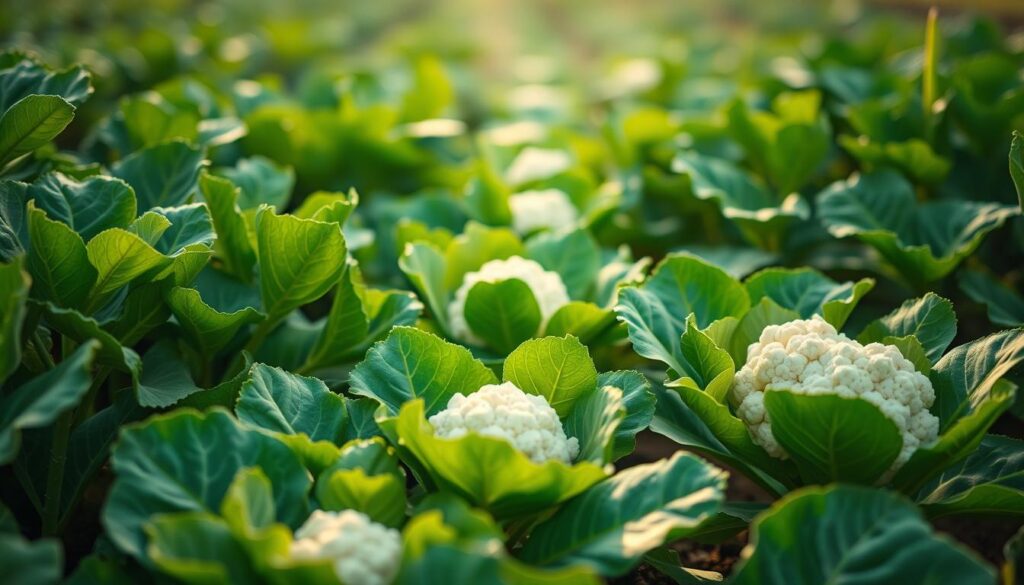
(535, 292)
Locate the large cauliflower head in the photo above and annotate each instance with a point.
(810, 357)
(363, 552)
(548, 290)
(540, 209)
(526, 421)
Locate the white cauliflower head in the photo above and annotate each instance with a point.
(535, 164)
(810, 357)
(548, 290)
(504, 411)
(546, 208)
(363, 552)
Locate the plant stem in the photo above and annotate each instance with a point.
(55, 476)
(40, 347)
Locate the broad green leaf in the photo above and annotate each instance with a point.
(148, 120)
(639, 402)
(808, 292)
(989, 481)
(410, 364)
(831, 438)
(190, 225)
(922, 242)
(445, 562)
(197, 547)
(593, 421)
(142, 311)
(581, 319)
(300, 260)
(707, 367)
(249, 502)
(150, 226)
(503, 313)
(119, 257)
(431, 92)
(163, 175)
(31, 123)
(914, 158)
(261, 181)
(612, 525)
(749, 328)
(574, 255)
(852, 535)
(347, 323)
(14, 287)
(557, 368)
(1005, 306)
(25, 562)
(366, 478)
(666, 561)
(184, 462)
(424, 266)
(207, 329)
(965, 376)
(325, 206)
(88, 206)
(930, 319)
(490, 472)
(13, 228)
(278, 401)
(476, 246)
(39, 402)
(81, 329)
(487, 194)
(22, 76)
(165, 377)
(58, 261)
(232, 246)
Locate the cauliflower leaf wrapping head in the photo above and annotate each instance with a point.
(548, 290)
(810, 357)
(526, 421)
(540, 209)
(362, 551)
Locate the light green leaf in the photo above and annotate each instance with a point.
(477, 245)
(278, 401)
(197, 547)
(261, 181)
(708, 368)
(748, 330)
(581, 319)
(574, 255)
(411, 363)
(424, 266)
(58, 261)
(88, 206)
(557, 368)
(38, 402)
(503, 313)
(119, 257)
(852, 534)
(613, 524)
(232, 245)
(31, 123)
(366, 478)
(207, 329)
(593, 421)
(930, 319)
(808, 292)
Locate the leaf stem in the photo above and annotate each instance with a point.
(55, 475)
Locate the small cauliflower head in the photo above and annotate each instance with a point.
(535, 164)
(548, 290)
(809, 357)
(526, 421)
(540, 209)
(362, 551)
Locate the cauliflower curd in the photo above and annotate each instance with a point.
(503, 410)
(810, 357)
(545, 208)
(548, 290)
(363, 552)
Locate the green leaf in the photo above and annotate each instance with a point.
(22, 76)
(749, 328)
(989, 481)
(666, 561)
(163, 175)
(655, 313)
(808, 292)
(13, 229)
(574, 255)
(923, 242)
(431, 93)
(197, 547)
(424, 266)
(58, 261)
(207, 329)
(503, 313)
(490, 472)
(831, 438)
(31, 123)
(232, 246)
(1005, 306)
(639, 403)
(410, 364)
(852, 534)
(248, 505)
(261, 181)
(81, 329)
(594, 420)
(142, 311)
(300, 260)
(612, 525)
(89, 206)
(24, 562)
(930, 319)
(1017, 166)
(278, 401)
(119, 257)
(965, 376)
(14, 287)
(581, 319)
(557, 368)
(185, 462)
(708, 368)
(366, 478)
(39, 402)
(190, 225)
(476, 246)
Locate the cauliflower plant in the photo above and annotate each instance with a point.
(535, 164)
(810, 357)
(548, 289)
(546, 208)
(503, 410)
(363, 552)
